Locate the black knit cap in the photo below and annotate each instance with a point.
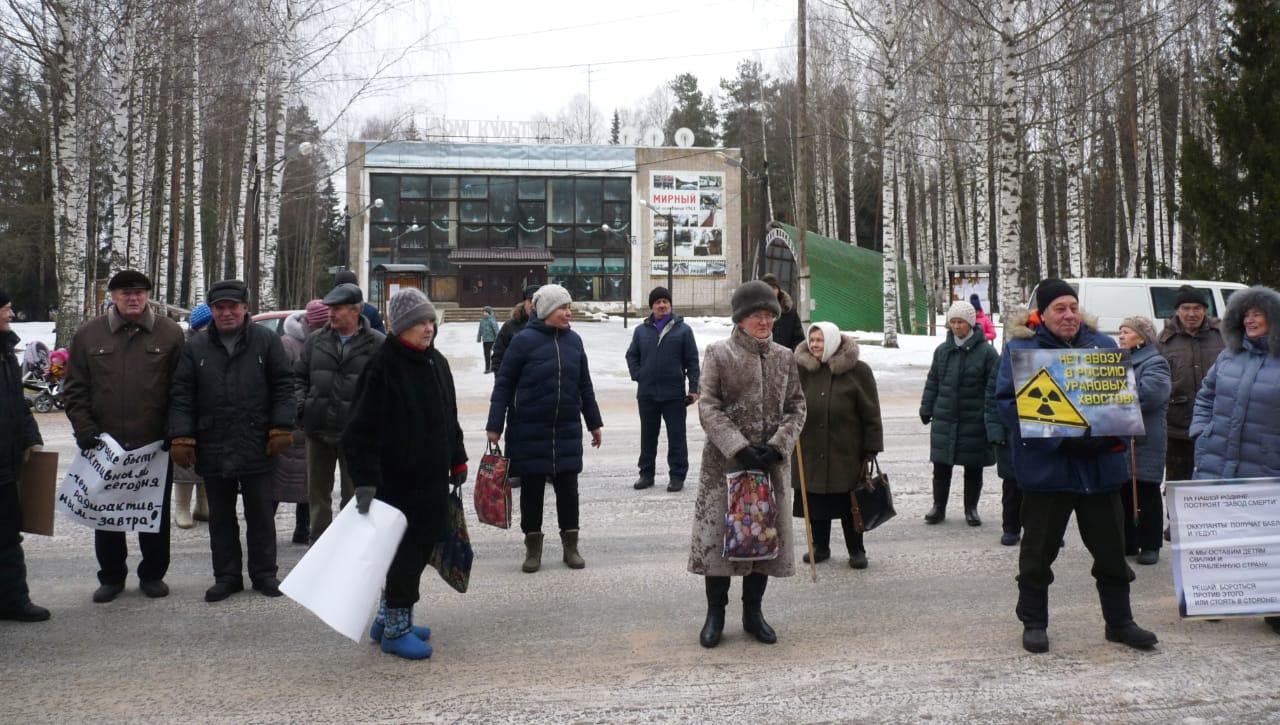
(753, 296)
(659, 293)
(129, 279)
(530, 291)
(5, 298)
(345, 276)
(1051, 289)
(227, 289)
(1188, 295)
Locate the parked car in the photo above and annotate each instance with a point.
(274, 321)
(1112, 300)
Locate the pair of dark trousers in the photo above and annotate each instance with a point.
(942, 485)
(488, 355)
(653, 413)
(1010, 506)
(322, 456)
(1146, 536)
(13, 565)
(532, 492)
(259, 524)
(753, 586)
(1044, 522)
(112, 548)
(852, 538)
(404, 577)
(1179, 459)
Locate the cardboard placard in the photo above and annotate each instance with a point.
(37, 489)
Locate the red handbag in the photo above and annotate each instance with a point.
(492, 490)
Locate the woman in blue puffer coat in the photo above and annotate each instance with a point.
(1235, 425)
(541, 394)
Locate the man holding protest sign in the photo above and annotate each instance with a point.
(1062, 475)
(118, 379)
(19, 436)
(233, 411)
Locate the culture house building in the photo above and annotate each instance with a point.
(471, 224)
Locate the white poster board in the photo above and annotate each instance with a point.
(1226, 546)
(111, 489)
(340, 578)
(695, 201)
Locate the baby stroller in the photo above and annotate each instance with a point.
(42, 379)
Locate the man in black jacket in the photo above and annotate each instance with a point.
(787, 329)
(231, 412)
(662, 355)
(325, 378)
(19, 436)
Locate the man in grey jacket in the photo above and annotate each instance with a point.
(325, 378)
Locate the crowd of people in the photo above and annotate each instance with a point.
(264, 418)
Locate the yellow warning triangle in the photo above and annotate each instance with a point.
(1041, 400)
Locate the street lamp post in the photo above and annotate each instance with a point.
(671, 241)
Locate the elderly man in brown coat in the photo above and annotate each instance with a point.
(752, 410)
(1190, 342)
(118, 383)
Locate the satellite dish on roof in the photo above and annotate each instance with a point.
(684, 138)
(653, 136)
(629, 136)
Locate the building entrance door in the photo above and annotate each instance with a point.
(496, 286)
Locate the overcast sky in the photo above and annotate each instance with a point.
(656, 39)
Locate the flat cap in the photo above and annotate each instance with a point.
(129, 279)
(228, 289)
(344, 294)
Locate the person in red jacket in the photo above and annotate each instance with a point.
(982, 318)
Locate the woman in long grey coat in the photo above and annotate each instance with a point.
(1151, 373)
(842, 435)
(752, 410)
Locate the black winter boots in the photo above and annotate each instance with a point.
(941, 490)
(972, 491)
(1119, 618)
(717, 599)
(753, 586)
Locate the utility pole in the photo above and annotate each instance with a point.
(802, 215)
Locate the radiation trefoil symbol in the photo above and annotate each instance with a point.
(1041, 400)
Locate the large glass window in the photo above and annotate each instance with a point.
(565, 215)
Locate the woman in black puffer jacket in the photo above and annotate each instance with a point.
(956, 403)
(541, 395)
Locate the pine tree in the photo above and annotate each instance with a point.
(1232, 202)
(693, 110)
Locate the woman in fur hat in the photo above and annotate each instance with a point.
(842, 435)
(1151, 373)
(752, 410)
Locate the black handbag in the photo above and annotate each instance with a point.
(872, 500)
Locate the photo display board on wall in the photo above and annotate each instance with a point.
(695, 200)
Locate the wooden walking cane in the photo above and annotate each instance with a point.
(804, 504)
(1133, 476)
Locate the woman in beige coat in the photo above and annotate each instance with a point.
(752, 410)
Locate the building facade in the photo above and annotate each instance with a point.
(472, 224)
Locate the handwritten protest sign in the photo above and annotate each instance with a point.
(112, 489)
(1069, 393)
(1226, 546)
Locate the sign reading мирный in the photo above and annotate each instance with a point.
(1226, 546)
(1070, 393)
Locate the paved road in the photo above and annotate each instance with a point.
(927, 633)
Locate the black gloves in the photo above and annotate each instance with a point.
(925, 418)
(758, 458)
(87, 443)
(364, 497)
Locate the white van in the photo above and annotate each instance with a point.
(1112, 300)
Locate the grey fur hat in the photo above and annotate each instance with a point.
(1143, 326)
(753, 296)
(407, 308)
(1262, 298)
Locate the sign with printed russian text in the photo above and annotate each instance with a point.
(112, 489)
(1226, 546)
(1070, 393)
